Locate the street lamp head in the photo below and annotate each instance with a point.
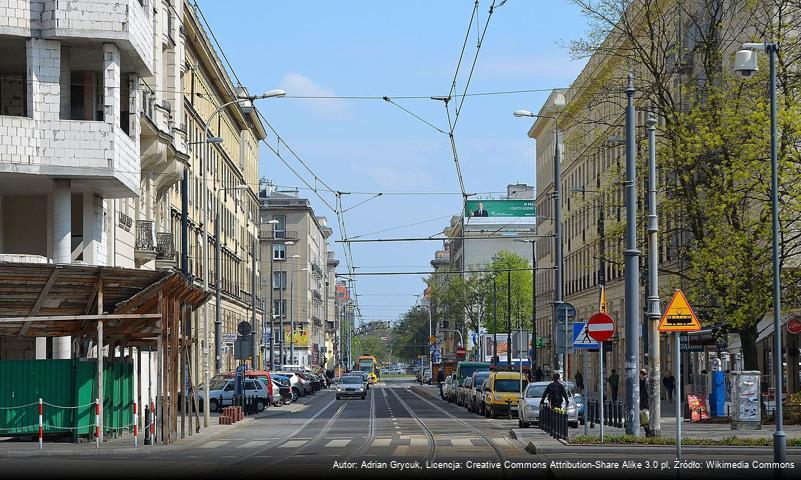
(295, 256)
(559, 100)
(274, 93)
(289, 242)
(273, 222)
(215, 140)
(522, 113)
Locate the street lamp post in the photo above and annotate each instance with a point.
(292, 309)
(654, 315)
(273, 222)
(746, 66)
(632, 272)
(559, 101)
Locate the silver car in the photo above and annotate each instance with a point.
(529, 405)
(351, 386)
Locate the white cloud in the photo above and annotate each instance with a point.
(296, 84)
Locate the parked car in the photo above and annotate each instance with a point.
(529, 405)
(308, 385)
(221, 393)
(446, 385)
(483, 391)
(461, 391)
(351, 386)
(474, 394)
(295, 383)
(503, 393)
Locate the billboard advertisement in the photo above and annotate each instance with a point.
(503, 347)
(499, 208)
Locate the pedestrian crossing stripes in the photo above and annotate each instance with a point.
(401, 442)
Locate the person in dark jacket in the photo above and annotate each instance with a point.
(670, 385)
(538, 375)
(643, 389)
(555, 392)
(579, 381)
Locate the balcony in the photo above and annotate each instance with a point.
(145, 245)
(96, 154)
(165, 251)
(272, 234)
(316, 269)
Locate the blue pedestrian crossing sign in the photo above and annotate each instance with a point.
(581, 338)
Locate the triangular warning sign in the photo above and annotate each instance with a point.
(679, 316)
(602, 306)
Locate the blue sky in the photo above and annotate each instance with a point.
(370, 48)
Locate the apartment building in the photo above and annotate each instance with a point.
(226, 174)
(303, 281)
(88, 135)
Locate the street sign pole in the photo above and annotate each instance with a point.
(603, 387)
(679, 394)
(586, 406)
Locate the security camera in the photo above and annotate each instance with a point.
(745, 63)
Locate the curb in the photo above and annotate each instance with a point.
(531, 447)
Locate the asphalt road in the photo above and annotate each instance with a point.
(424, 436)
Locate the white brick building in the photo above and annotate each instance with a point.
(91, 137)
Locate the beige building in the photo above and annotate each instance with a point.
(231, 163)
(303, 278)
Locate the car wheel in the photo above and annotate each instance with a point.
(519, 423)
(364, 396)
(337, 397)
(493, 413)
(260, 405)
(525, 424)
(213, 405)
(295, 394)
(573, 424)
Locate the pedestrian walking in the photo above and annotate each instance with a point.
(579, 381)
(644, 397)
(670, 385)
(614, 382)
(555, 392)
(441, 380)
(538, 375)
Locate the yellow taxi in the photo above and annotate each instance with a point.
(502, 393)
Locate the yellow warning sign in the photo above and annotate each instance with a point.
(602, 306)
(679, 316)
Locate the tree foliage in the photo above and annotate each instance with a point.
(713, 161)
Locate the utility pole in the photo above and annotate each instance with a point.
(533, 306)
(253, 333)
(632, 272)
(654, 315)
(557, 231)
(509, 319)
(495, 318)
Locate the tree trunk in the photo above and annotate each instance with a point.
(748, 336)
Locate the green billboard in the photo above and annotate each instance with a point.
(499, 208)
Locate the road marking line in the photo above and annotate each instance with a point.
(400, 451)
(382, 442)
(461, 442)
(253, 444)
(292, 444)
(418, 442)
(214, 444)
(338, 443)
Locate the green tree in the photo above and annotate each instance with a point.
(713, 143)
(410, 335)
(513, 278)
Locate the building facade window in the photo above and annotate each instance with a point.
(279, 251)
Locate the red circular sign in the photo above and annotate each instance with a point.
(601, 327)
(794, 325)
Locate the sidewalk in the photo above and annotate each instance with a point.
(123, 444)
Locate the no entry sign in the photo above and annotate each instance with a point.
(601, 327)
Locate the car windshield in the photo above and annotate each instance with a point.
(217, 384)
(466, 371)
(351, 380)
(507, 385)
(535, 391)
(480, 379)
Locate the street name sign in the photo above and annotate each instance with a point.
(228, 337)
(679, 316)
(601, 327)
(581, 337)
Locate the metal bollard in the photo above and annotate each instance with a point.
(147, 424)
(591, 413)
(619, 415)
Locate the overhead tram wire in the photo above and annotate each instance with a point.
(429, 272)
